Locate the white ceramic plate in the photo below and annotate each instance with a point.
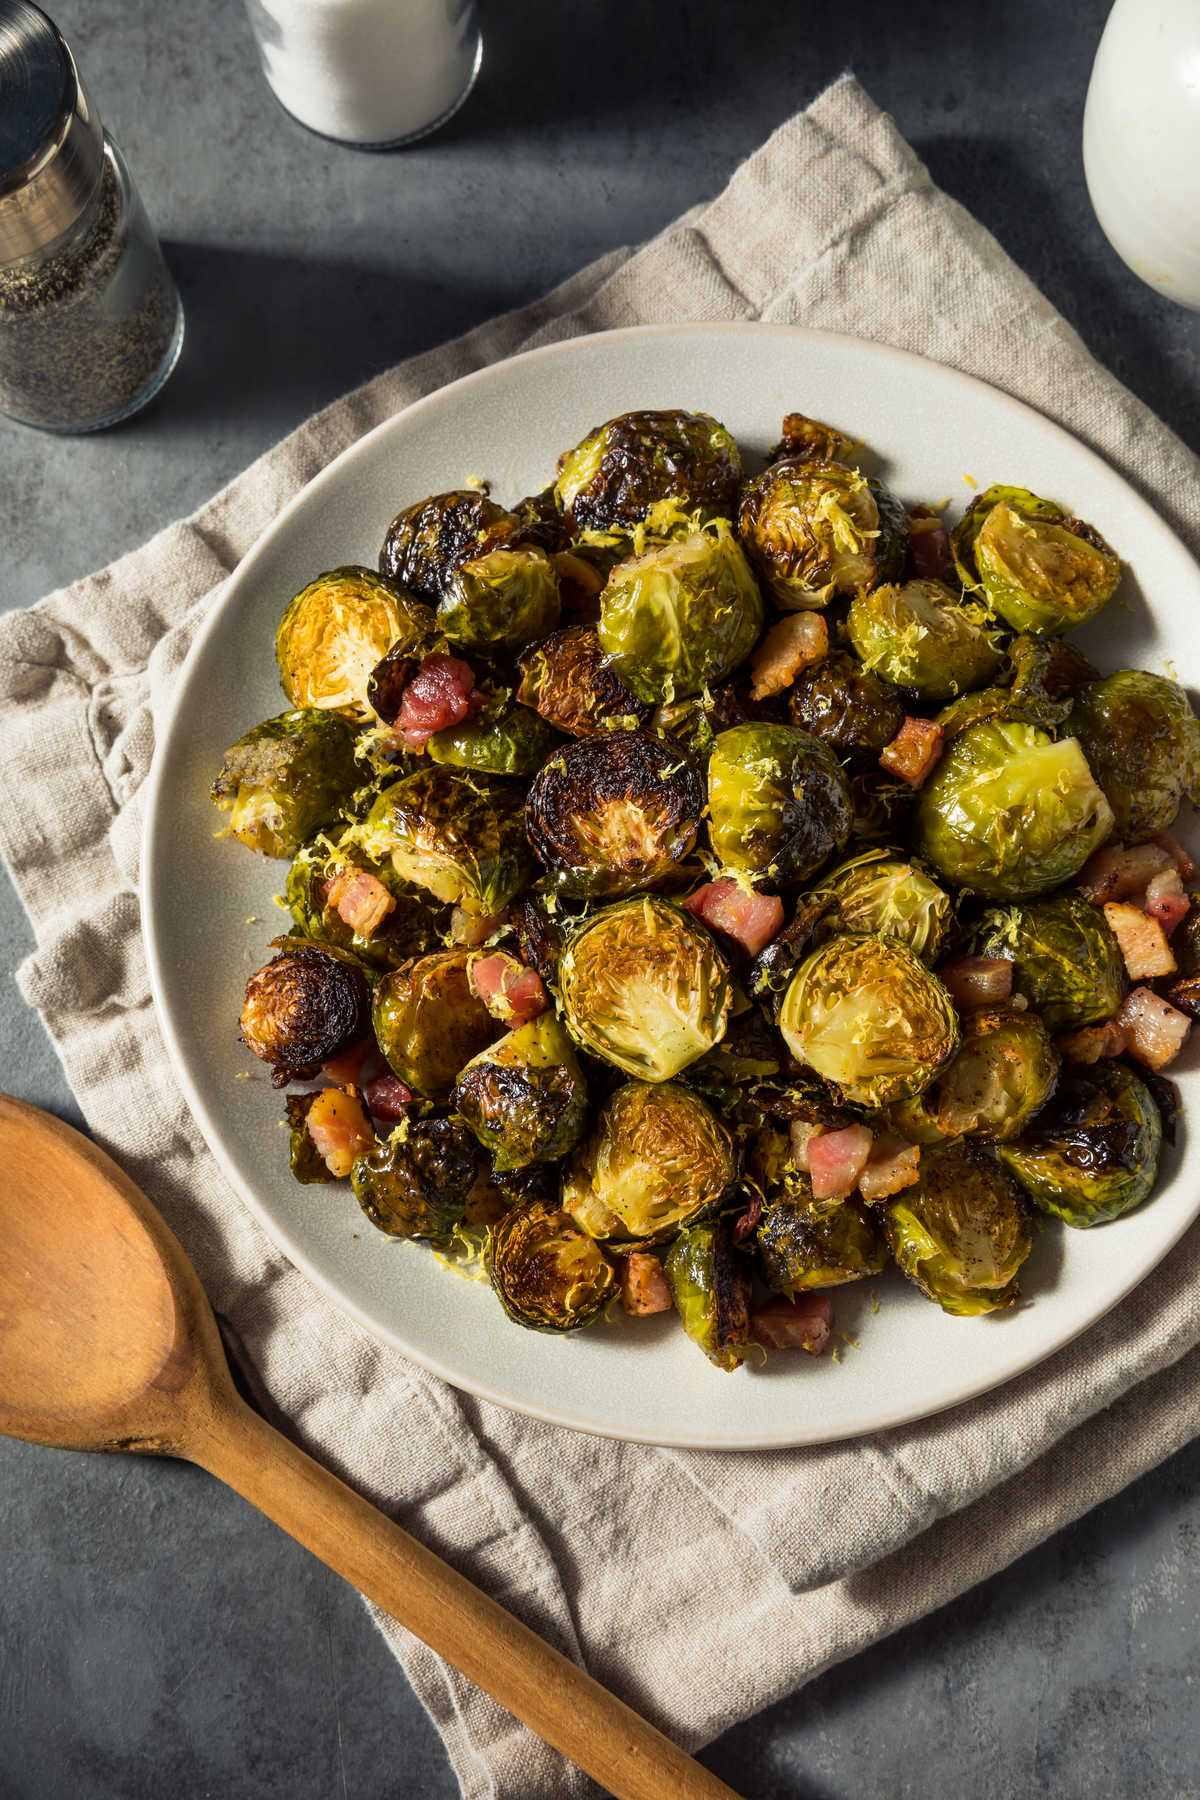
(934, 431)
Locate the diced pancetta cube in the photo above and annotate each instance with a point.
(355, 1066)
(1142, 940)
(442, 693)
(801, 1324)
(387, 1098)
(893, 1164)
(914, 751)
(929, 547)
(749, 918)
(1156, 1030)
(1116, 872)
(1165, 899)
(977, 980)
(643, 1285)
(794, 643)
(339, 1128)
(359, 899)
(836, 1160)
(1093, 1043)
(511, 992)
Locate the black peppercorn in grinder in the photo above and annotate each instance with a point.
(90, 321)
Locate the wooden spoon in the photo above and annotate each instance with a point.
(107, 1342)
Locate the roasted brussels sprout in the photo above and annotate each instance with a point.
(306, 1005)
(502, 600)
(415, 926)
(804, 438)
(658, 1158)
(881, 893)
(918, 635)
(429, 1022)
(1041, 673)
(681, 616)
(778, 802)
(502, 739)
(814, 529)
(620, 470)
(1010, 813)
(548, 1275)
(1067, 964)
(847, 707)
(1142, 742)
(285, 779)
(524, 1097)
(426, 543)
(644, 987)
(612, 813)
(566, 679)
(538, 931)
(462, 840)
(1038, 568)
(798, 1252)
(961, 1233)
(1003, 1075)
(416, 1183)
(336, 631)
(1092, 1154)
(711, 1290)
(867, 1014)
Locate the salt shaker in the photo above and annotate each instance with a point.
(90, 320)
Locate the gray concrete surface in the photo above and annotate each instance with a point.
(157, 1637)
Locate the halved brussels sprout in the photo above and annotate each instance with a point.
(460, 839)
(847, 707)
(306, 1005)
(614, 812)
(798, 1252)
(524, 1097)
(1010, 813)
(778, 802)
(814, 529)
(502, 600)
(417, 1182)
(881, 893)
(416, 925)
(1092, 1154)
(658, 1158)
(502, 739)
(429, 1022)
(1039, 569)
(644, 987)
(566, 679)
(1003, 1075)
(919, 635)
(285, 779)
(548, 1275)
(622, 469)
(711, 1289)
(682, 615)
(1066, 962)
(961, 1233)
(336, 631)
(1142, 742)
(868, 1015)
(427, 542)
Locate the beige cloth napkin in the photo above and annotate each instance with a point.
(701, 1587)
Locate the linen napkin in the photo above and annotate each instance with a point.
(629, 1558)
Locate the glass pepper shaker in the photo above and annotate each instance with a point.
(91, 323)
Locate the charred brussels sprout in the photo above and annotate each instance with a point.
(681, 616)
(285, 779)
(778, 802)
(798, 1252)
(622, 469)
(462, 841)
(868, 1015)
(1067, 964)
(1010, 813)
(1092, 1154)
(548, 1275)
(538, 932)
(1037, 567)
(501, 600)
(644, 987)
(847, 707)
(614, 812)
(658, 1158)
(416, 925)
(306, 1005)
(711, 1290)
(337, 630)
(524, 1097)
(1003, 1075)
(566, 680)
(920, 636)
(428, 542)
(962, 1233)
(429, 1022)
(882, 893)
(814, 529)
(503, 739)
(1142, 741)
(804, 438)
(416, 1183)
(1041, 673)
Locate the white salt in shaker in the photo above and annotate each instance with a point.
(375, 73)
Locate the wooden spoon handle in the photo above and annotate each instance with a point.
(546, 1691)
